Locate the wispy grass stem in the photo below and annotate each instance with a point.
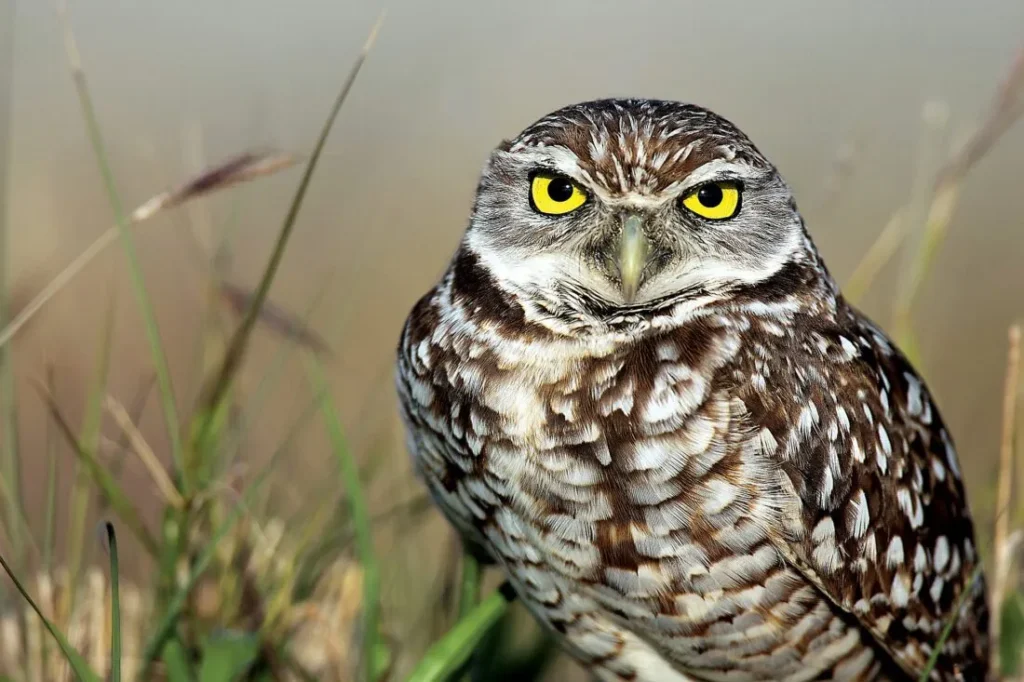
(158, 356)
(9, 456)
(1004, 492)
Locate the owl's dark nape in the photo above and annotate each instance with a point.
(638, 387)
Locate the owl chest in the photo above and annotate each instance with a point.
(636, 489)
(621, 495)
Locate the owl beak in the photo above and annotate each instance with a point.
(634, 246)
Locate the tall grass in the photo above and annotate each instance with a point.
(200, 535)
(9, 457)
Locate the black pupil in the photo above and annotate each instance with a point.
(710, 195)
(560, 189)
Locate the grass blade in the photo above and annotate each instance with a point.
(469, 594)
(227, 657)
(163, 373)
(1010, 643)
(162, 201)
(947, 630)
(469, 591)
(145, 453)
(9, 456)
(1006, 108)
(49, 525)
(75, 659)
(236, 170)
(360, 514)
(240, 339)
(175, 606)
(448, 655)
(876, 257)
(163, 636)
(121, 445)
(115, 606)
(50, 522)
(276, 366)
(116, 497)
(1005, 491)
(176, 663)
(277, 318)
(90, 440)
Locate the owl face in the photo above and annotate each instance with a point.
(620, 205)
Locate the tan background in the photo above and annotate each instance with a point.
(177, 82)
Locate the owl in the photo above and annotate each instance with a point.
(638, 390)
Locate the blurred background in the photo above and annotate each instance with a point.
(844, 97)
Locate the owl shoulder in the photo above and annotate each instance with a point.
(884, 529)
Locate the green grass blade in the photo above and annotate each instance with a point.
(50, 522)
(115, 606)
(175, 605)
(469, 594)
(167, 564)
(78, 664)
(19, 522)
(176, 662)
(469, 591)
(90, 440)
(948, 629)
(1011, 640)
(360, 514)
(240, 339)
(116, 497)
(448, 655)
(227, 657)
(9, 456)
(163, 374)
(254, 404)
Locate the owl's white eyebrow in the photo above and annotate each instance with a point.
(564, 161)
(714, 169)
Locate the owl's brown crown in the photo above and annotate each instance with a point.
(640, 144)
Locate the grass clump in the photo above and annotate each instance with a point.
(237, 595)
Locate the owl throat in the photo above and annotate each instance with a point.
(567, 308)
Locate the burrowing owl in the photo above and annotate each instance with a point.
(638, 389)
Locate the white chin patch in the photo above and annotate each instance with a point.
(543, 271)
(711, 274)
(546, 271)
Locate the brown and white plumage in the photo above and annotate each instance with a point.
(709, 468)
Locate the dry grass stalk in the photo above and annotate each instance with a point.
(1007, 107)
(878, 254)
(276, 318)
(144, 452)
(1002, 525)
(23, 655)
(238, 169)
(321, 631)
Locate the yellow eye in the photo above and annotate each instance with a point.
(555, 194)
(714, 201)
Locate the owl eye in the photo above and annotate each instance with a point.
(555, 194)
(714, 200)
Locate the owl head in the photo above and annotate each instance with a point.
(612, 206)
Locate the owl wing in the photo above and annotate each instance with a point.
(443, 433)
(881, 522)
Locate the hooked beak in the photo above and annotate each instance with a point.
(634, 247)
